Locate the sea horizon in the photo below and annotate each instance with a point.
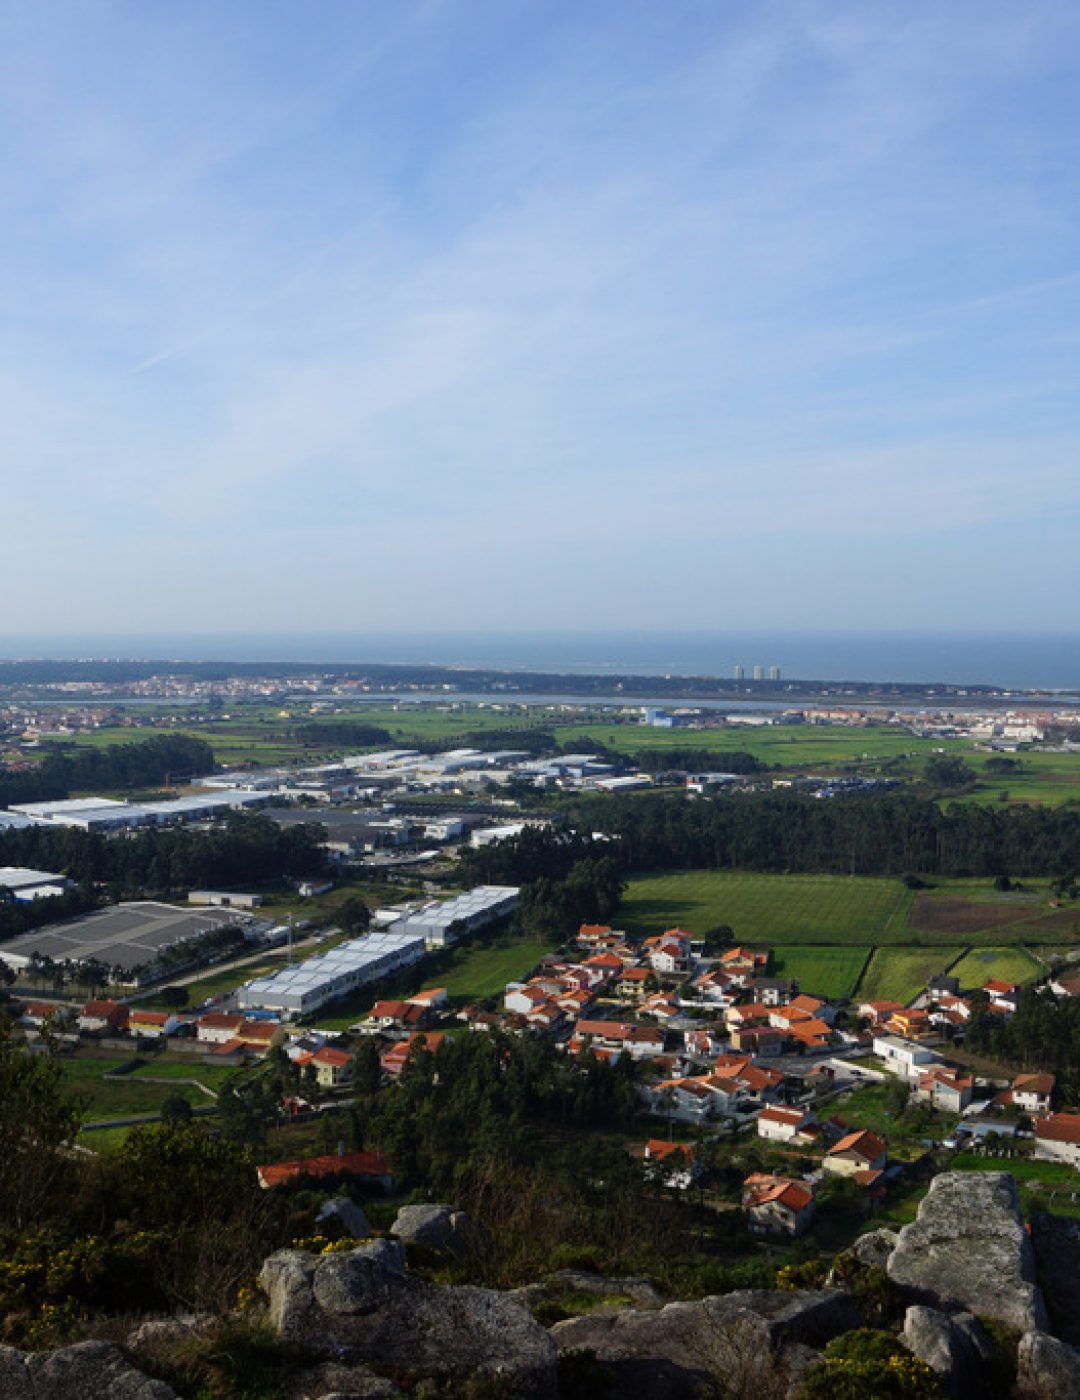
(1013, 660)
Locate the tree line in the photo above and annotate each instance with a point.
(242, 849)
(118, 767)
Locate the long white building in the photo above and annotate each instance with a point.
(301, 990)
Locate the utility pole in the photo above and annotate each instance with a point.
(290, 941)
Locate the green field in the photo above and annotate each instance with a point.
(806, 909)
(1006, 964)
(899, 974)
(824, 971)
(780, 745)
(135, 1092)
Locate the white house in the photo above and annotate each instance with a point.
(903, 1057)
(778, 1124)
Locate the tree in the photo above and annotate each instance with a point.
(354, 916)
(175, 998)
(39, 1117)
(366, 1069)
(175, 1109)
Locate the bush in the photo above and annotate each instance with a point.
(869, 1363)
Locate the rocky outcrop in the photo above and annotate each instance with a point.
(1057, 1256)
(437, 1227)
(873, 1249)
(640, 1291)
(1047, 1369)
(79, 1372)
(360, 1305)
(340, 1210)
(756, 1342)
(968, 1250)
(955, 1348)
(333, 1382)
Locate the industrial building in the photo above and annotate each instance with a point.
(24, 884)
(442, 924)
(301, 990)
(109, 814)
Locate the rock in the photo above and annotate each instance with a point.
(14, 1377)
(359, 1305)
(639, 1290)
(1046, 1368)
(951, 1348)
(165, 1329)
(873, 1249)
(1056, 1240)
(331, 1382)
(348, 1214)
(968, 1249)
(437, 1227)
(757, 1343)
(91, 1369)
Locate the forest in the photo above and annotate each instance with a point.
(242, 849)
(120, 767)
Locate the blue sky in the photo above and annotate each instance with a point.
(357, 316)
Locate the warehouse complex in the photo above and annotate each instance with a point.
(305, 988)
(442, 924)
(109, 814)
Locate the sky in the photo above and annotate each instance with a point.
(484, 314)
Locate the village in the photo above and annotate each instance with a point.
(824, 1097)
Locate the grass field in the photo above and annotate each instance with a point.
(899, 974)
(822, 971)
(831, 909)
(135, 1092)
(1007, 964)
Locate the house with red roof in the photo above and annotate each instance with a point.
(332, 1067)
(1057, 1138)
(1004, 996)
(371, 1168)
(218, 1027)
(861, 1151)
(104, 1018)
(397, 1017)
(675, 1163)
(393, 1061)
(777, 1205)
(945, 1088)
(152, 1025)
(1033, 1093)
(780, 1124)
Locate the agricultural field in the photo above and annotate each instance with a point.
(825, 971)
(899, 974)
(804, 909)
(1006, 964)
(980, 914)
(822, 747)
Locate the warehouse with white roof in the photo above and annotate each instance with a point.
(301, 990)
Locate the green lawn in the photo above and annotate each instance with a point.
(823, 971)
(805, 909)
(1006, 964)
(485, 971)
(899, 974)
(874, 1106)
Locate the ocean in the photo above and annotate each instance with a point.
(1020, 660)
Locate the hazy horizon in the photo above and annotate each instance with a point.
(1027, 660)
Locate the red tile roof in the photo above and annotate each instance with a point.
(1059, 1127)
(352, 1163)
